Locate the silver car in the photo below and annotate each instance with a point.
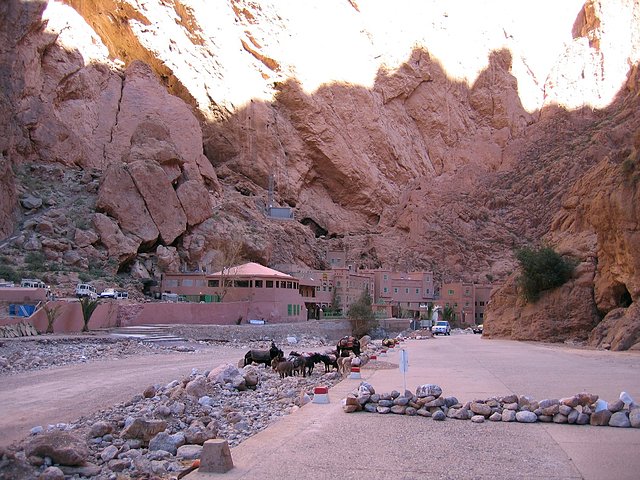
(441, 327)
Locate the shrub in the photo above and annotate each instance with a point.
(542, 269)
(9, 274)
(361, 315)
(35, 261)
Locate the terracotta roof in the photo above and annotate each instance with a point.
(252, 269)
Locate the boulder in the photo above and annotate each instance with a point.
(197, 387)
(620, 419)
(428, 390)
(143, 429)
(99, 429)
(526, 417)
(63, 448)
(167, 442)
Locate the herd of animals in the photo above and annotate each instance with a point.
(348, 353)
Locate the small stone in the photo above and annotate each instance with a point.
(560, 418)
(109, 453)
(634, 417)
(350, 408)
(383, 410)
(616, 406)
(423, 412)
(438, 416)
(481, 409)
(572, 402)
(495, 417)
(545, 418)
(428, 389)
(565, 410)
(526, 417)
(149, 392)
(371, 407)
(573, 416)
(620, 419)
(398, 409)
(601, 418)
(477, 419)
(100, 429)
(51, 473)
(411, 411)
(189, 452)
(583, 419)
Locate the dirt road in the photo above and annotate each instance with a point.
(61, 395)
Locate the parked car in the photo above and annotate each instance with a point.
(441, 327)
(478, 328)
(86, 290)
(122, 295)
(108, 293)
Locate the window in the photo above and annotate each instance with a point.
(171, 283)
(269, 283)
(258, 283)
(482, 304)
(200, 283)
(187, 282)
(426, 290)
(466, 304)
(417, 291)
(283, 284)
(481, 314)
(289, 309)
(289, 284)
(451, 292)
(241, 283)
(395, 289)
(213, 283)
(385, 290)
(385, 277)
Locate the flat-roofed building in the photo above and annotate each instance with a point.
(259, 291)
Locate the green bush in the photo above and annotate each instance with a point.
(361, 315)
(35, 261)
(9, 274)
(542, 269)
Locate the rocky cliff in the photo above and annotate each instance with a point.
(415, 136)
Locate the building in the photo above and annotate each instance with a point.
(402, 293)
(259, 292)
(468, 300)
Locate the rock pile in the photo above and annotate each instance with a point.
(428, 401)
(161, 431)
(22, 329)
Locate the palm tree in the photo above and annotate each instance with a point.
(88, 306)
(52, 314)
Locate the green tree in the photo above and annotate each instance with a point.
(52, 314)
(542, 269)
(448, 314)
(88, 306)
(360, 315)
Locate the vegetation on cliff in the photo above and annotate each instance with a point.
(542, 269)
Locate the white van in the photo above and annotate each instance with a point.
(32, 283)
(121, 295)
(86, 290)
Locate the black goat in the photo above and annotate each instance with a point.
(263, 356)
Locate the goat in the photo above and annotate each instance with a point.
(330, 362)
(344, 365)
(284, 368)
(263, 356)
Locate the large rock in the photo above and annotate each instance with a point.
(160, 198)
(63, 448)
(119, 197)
(120, 246)
(143, 429)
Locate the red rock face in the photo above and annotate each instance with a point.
(381, 144)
